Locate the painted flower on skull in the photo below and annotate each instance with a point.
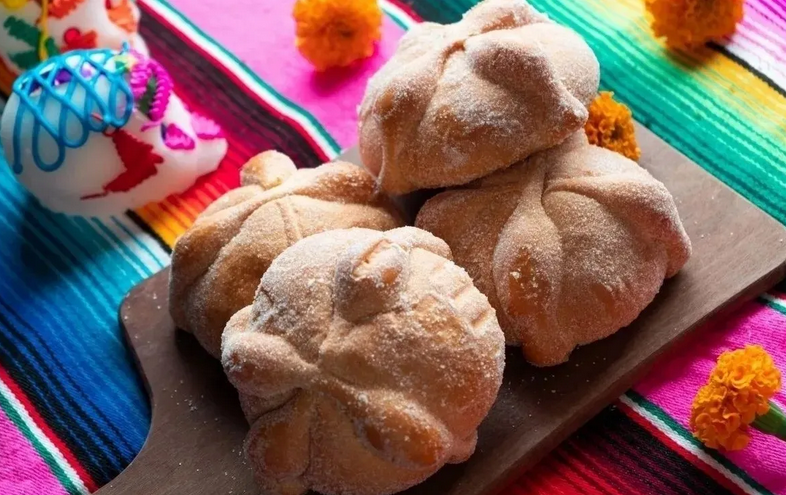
(33, 30)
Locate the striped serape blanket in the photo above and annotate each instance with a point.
(73, 411)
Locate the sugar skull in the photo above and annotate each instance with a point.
(97, 132)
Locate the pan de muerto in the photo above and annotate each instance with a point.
(569, 246)
(217, 263)
(459, 101)
(366, 363)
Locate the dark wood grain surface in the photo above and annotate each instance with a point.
(197, 431)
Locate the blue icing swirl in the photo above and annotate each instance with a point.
(57, 79)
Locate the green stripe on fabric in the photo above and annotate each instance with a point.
(680, 69)
(443, 11)
(670, 70)
(753, 187)
(679, 430)
(138, 242)
(773, 303)
(250, 73)
(48, 458)
(121, 246)
(403, 24)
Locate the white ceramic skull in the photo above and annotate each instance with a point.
(97, 132)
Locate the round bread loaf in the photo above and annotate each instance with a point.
(365, 364)
(569, 246)
(460, 101)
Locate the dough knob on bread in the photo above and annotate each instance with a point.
(366, 362)
(569, 245)
(218, 262)
(370, 275)
(460, 101)
(267, 170)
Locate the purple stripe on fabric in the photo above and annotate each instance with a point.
(772, 7)
(332, 97)
(747, 45)
(773, 33)
(676, 379)
(22, 470)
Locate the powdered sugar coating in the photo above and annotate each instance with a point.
(460, 101)
(217, 263)
(569, 246)
(365, 369)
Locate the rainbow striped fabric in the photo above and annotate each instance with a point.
(73, 412)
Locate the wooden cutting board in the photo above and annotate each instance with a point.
(197, 431)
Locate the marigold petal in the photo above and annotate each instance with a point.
(737, 442)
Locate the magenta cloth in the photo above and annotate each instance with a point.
(332, 97)
(28, 474)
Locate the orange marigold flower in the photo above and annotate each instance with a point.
(335, 33)
(737, 393)
(610, 125)
(686, 23)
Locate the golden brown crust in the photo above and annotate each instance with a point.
(365, 369)
(569, 246)
(217, 264)
(458, 102)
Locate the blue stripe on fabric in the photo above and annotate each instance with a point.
(685, 136)
(67, 325)
(37, 261)
(96, 243)
(48, 350)
(145, 271)
(69, 426)
(94, 396)
(139, 243)
(62, 280)
(74, 348)
(21, 356)
(24, 221)
(27, 339)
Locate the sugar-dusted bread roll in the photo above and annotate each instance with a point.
(218, 263)
(366, 363)
(460, 101)
(569, 246)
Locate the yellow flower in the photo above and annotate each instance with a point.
(610, 126)
(736, 395)
(13, 4)
(335, 33)
(686, 23)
